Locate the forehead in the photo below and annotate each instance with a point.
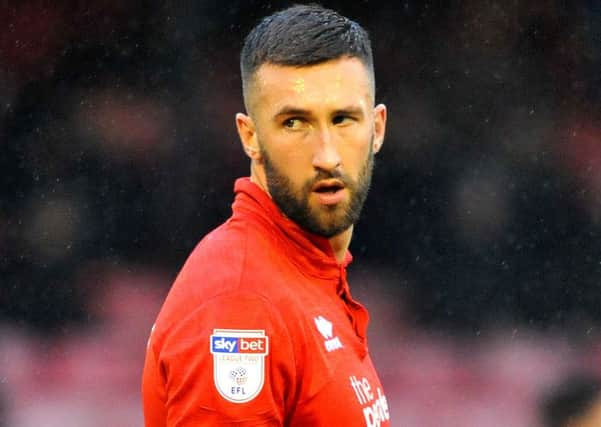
(344, 80)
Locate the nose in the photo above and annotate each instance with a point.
(326, 156)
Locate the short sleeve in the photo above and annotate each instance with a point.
(230, 362)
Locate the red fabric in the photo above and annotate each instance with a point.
(260, 271)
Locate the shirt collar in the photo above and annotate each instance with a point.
(313, 253)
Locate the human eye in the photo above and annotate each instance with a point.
(342, 119)
(293, 123)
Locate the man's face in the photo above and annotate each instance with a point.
(323, 217)
(317, 130)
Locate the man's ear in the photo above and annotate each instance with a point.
(248, 136)
(379, 126)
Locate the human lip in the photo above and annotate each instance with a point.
(328, 185)
(329, 191)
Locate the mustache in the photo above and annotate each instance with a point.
(335, 174)
(322, 175)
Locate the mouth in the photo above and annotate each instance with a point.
(328, 186)
(330, 192)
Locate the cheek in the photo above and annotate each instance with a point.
(294, 153)
(291, 162)
(295, 173)
(355, 153)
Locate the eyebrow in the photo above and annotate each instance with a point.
(350, 111)
(288, 110)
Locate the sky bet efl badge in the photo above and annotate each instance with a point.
(239, 363)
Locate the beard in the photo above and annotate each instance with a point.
(323, 220)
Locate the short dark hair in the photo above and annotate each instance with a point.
(570, 399)
(303, 35)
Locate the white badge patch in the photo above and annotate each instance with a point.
(239, 363)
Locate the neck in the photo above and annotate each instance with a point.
(340, 243)
(258, 178)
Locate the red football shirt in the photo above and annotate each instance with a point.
(260, 329)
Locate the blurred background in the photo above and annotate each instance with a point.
(478, 252)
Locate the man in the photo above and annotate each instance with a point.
(259, 328)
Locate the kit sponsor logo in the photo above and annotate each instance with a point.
(374, 404)
(326, 329)
(221, 344)
(239, 362)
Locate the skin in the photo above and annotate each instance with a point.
(309, 124)
(592, 418)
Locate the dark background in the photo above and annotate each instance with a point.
(118, 144)
(118, 151)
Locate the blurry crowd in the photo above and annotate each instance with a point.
(478, 252)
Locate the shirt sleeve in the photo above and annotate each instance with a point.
(153, 396)
(230, 362)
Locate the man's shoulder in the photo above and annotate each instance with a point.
(228, 246)
(224, 242)
(217, 257)
(233, 257)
